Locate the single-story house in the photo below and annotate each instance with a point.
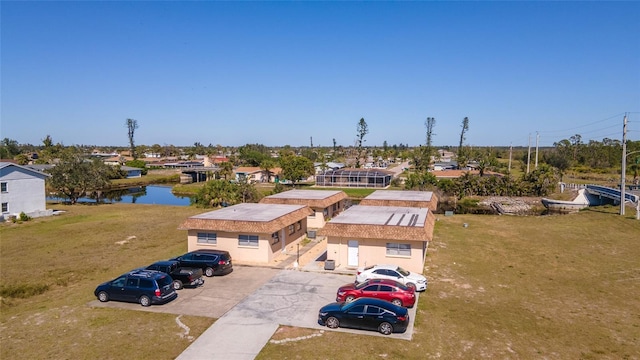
(251, 233)
(366, 178)
(22, 190)
(325, 204)
(367, 235)
(255, 174)
(404, 198)
(132, 172)
(322, 167)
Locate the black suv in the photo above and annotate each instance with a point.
(212, 262)
(142, 286)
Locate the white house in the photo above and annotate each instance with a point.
(22, 191)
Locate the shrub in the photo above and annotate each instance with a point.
(22, 291)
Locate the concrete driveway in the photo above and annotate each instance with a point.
(289, 298)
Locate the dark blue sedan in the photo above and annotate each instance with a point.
(367, 314)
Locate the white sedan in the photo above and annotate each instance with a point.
(393, 272)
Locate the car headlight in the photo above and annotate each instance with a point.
(323, 313)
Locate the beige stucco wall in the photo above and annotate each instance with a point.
(374, 251)
(265, 252)
(318, 220)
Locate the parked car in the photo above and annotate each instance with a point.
(212, 262)
(182, 276)
(366, 314)
(142, 286)
(384, 289)
(392, 272)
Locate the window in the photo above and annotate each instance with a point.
(395, 249)
(371, 288)
(386, 288)
(207, 238)
(3, 187)
(248, 240)
(132, 282)
(335, 207)
(275, 238)
(5, 207)
(374, 310)
(325, 212)
(146, 284)
(291, 229)
(299, 225)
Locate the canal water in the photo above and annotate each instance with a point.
(152, 194)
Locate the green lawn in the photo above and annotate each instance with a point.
(555, 287)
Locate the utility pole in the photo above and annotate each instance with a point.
(537, 141)
(624, 164)
(529, 154)
(510, 153)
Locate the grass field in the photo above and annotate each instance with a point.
(554, 287)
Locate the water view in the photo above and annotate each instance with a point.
(152, 194)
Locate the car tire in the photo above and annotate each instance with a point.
(396, 302)
(103, 296)
(144, 300)
(333, 323)
(177, 284)
(208, 272)
(385, 328)
(349, 298)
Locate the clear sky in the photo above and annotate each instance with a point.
(278, 73)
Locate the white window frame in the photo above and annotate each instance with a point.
(206, 238)
(252, 241)
(275, 238)
(4, 186)
(5, 207)
(398, 249)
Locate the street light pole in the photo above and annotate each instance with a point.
(624, 164)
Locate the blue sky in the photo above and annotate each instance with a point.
(278, 73)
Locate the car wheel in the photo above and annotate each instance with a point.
(103, 296)
(208, 272)
(349, 298)
(144, 300)
(333, 323)
(177, 284)
(411, 285)
(385, 328)
(396, 302)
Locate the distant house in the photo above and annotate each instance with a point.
(255, 174)
(347, 177)
(402, 198)
(252, 233)
(132, 172)
(22, 189)
(325, 204)
(322, 167)
(367, 235)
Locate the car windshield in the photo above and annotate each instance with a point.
(361, 285)
(402, 271)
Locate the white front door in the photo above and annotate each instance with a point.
(352, 253)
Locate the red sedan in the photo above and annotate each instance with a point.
(389, 290)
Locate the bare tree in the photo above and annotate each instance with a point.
(132, 125)
(465, 128)
(363, 130)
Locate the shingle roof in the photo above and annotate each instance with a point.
(249, 218)
(402, 198)
(312, 198)
(382, 222)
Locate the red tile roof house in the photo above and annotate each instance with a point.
(251, 233)
(367, 235)
(326, 204)
(408, 198)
